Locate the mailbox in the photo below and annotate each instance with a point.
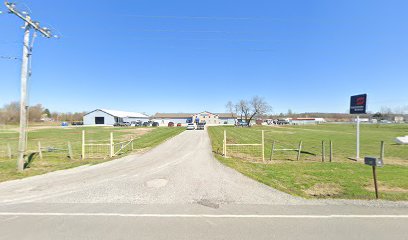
(373, 161)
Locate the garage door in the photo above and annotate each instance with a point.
(99, 120)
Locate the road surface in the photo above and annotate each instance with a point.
(179, 191)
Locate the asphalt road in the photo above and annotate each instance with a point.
(179, 191)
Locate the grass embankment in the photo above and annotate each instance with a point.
(310, 178)
(58, 137)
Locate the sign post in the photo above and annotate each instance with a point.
(358, 105)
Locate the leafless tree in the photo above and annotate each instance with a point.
(256, 107)
(10, 113)
(230, 107)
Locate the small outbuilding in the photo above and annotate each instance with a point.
(110, 117)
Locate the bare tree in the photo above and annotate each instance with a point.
(35, 113)
(10, 113)
(230, 107)
(244, 109)
(258, 108)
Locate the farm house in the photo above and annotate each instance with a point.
(110, 117)
(207, 117)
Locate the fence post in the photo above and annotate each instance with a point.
(40, 150)
(10, 155)
(323, 152)
(382, 151)
(112, 147)
(300, 150)
(273, 149)
(263, 146)
(70, 155)
(225, 144)
(83, 144)
(132, 145)
(331, 151)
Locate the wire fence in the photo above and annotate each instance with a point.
(264, 148)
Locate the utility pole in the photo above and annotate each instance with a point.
(27, 50)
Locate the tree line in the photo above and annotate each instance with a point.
(10, 114)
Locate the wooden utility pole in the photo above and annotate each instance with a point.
(29, 24)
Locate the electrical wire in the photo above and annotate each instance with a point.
(10, 58)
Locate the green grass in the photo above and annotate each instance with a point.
(310, 178)
(59, 137)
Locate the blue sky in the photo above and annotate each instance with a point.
(188, 56)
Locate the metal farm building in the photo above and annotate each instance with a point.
(110, 117)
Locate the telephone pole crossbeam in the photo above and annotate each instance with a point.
(25, 74)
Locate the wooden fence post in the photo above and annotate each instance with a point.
(10, 155)
(225, 144)
(331, 151)
(40, 150)
(323, 152)
(273, 149)
(263, 146)
(382, 151)
(83, 144)
(112, 146)
(300, 150)
(132, 144)
(70, 155)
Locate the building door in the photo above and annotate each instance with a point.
(99, 120)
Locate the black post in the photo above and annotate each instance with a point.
(375, 182)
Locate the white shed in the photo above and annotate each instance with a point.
(110, 117)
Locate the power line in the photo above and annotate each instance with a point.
(9, 58)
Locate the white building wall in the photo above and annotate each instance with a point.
(174, 120)
(131, 119)
(230, 121)
(89, 119)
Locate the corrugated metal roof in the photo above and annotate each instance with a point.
(123, 114)
(173, 115)
(189, 115)
(226, 115)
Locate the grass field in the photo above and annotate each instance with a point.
(58, 137)
(310, 177)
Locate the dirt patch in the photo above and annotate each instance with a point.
(385, 188)
(395, 161)
(134, 132)
(324, 190)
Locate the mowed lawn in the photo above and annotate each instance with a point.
(58, 137)
(309, 177)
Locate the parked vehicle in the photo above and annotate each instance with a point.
(200, 126)
(191, 126)
(241, 124)
(178, 124)
(147, 124)
(171, 124)
(155, 124)
(137, 123)
(77, 123)
(126, 124)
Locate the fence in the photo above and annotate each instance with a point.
(104, 148)
(6, 152)
(254, 151)
(249, 148)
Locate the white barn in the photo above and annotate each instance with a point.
(110, 117)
